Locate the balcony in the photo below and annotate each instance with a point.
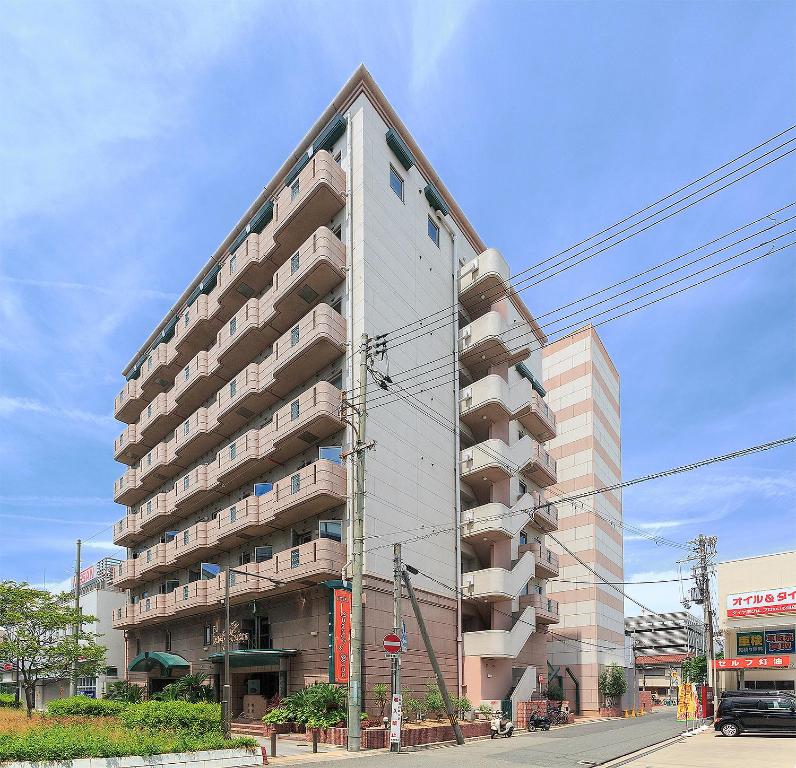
(314, 270)
(308, 564)
(483, 281)
(244, 396)
(501, 643)
(126, 489)
(310, 491)
(155, 468)
(311, 345)
(314, 197)
(194, 437)
(149, 610)
(546, 559)
(127, 531)
(158, 370)
(241, 338)
(125, 448)
(499, 583)
(241, 460)
(158, 419)
(246, 272)
(545, 516)
(313, 416)
(492, 340)
(197, 381)
(152, 561)
(123, 617)
(153, 514)
(194, 490)
(545, 609)
(191, 598)
(197, 327)
(492, 461)
(129, 402)
(243, 521)
(193, 543)
(536, 415)
(539, 466)
(494, 522)
(124, 574)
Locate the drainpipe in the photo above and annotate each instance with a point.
(457, 473)
(349, 258)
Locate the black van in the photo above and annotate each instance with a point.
(763, 713)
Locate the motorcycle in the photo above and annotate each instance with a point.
(501, 726)
(538, 723)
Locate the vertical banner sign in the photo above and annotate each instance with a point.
(341, 641)
(395, 719)
(686, 702)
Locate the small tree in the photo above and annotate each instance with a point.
(612, 684)
(190, 688)
(36, 632)
(123, 690)
(554, 691)
(381, 693)
(695, 670)
(434, 703)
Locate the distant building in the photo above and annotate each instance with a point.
(98, 598)
(757, 616)
(661, 634)
(660, 674)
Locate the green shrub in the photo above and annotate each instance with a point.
(322, 705)
(434, 703)
(277, 715)
(413, 705)
(125, 691)
(187, 688)
(83, 706)
(203, 718)
(9, 700)
(462, 706)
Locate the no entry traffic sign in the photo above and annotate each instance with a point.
(392, 643)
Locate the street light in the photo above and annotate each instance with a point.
(225, 696)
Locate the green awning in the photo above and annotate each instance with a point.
(435, 199)
(167, 662)
(398, 146)
(259, 658)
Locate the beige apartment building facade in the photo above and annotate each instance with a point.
(583, 388)
(238, 430)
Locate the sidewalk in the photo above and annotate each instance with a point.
(710, 750)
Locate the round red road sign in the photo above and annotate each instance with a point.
(392, 643)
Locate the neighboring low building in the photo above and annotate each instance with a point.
(757, 616)
(661, 674)
(659, 634)
(98, 598)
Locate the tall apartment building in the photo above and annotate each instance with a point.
(582, 386)
(237, 435)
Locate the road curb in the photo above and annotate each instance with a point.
(637, 754)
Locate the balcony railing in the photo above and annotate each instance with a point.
(546, 559)
(129, 402)
(241, 337)
(493, 340)
(499, 583)
(540, 466)
(310, 491)
(197, 380)
(537, 416)
(247, 271)
(194, 436)
(151, 561)
(125, 447)
(483, 281)
(545, 609)
(158, 419)
(193, 490)
(127, 531)
(126, 489)
(240, 460)
(157, 371)
(197, 326)
(501, 643)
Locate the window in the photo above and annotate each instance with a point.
(112, 671)
(338, 157)
(149, 555)
(295, 483)
(186, 374)
(294, 410)
(186, 427)
(233, 326)
(295, 558)
(147, 604)
(294, 336)
(149, 507)
(210, 570)
(433, 231)
(260, 489)
(233, 264)
(167, 643)
(233, 513)
(149, 363)
(261, 554)
(185, 483)
(523, 538)
(523, 488)
(301, 538)
(331, 453)
(397, 183)
(149, 411)
(337, 380)
(264, 639)
(149, 459)
(244, 558)
(338, 231)
(294, 263)
(185, 592)
(137, 646)
(186, 536)
(330, 529)
(233, 451)
(294, 190)
(233, 388)
(208, 636)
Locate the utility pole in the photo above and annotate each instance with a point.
(706, 546)
(357, 526)
(396, 616)
(432, 657)
(77, 625)
(227, 689)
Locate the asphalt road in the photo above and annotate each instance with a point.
(576, 746)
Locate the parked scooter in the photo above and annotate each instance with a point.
(538, 723)
(501, 726)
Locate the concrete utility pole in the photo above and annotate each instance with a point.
(227, 689)
(77, 625)
(396, 616)
(706, 551)
(432, 657)
(357, 526)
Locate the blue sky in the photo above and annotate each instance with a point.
(134, 136)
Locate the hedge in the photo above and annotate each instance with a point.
(83, 706)
(73, 741)
(173, 715)
(9, 700)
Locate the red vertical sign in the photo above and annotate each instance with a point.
(341, 641)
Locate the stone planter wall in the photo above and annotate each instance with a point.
(611, 712)
(216, 758)
(379, 738)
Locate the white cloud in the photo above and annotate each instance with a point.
(12, 405)
(63, 285)
(54, 501)
(57, 520)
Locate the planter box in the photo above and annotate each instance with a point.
(215, 758)
(379, 738)
(610, 712)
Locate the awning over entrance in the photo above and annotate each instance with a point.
(148, 660)
(261, 658)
